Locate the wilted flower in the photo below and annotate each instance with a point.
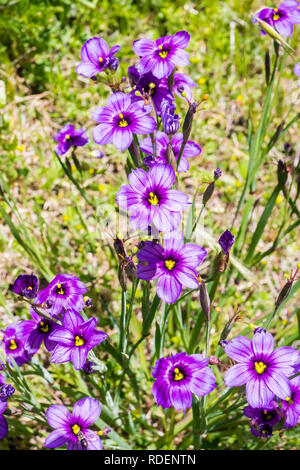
(161, 56)
(64, 291)
(265, 371)
(88, 367)
(149, 199)
(26, 285)
(191, 149)
(226, 241)
(96, 57)
(6, 391)
(120, 119)
(179, 377)
(72, 429)
(173, 264)
(217, 173)
(170, 120)
(75, 339)
(282, 18)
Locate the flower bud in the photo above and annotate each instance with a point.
(217, 173)
(282, 173)
(170, 157)
(208, 193)
(188, 122)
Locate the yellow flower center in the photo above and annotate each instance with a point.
(153, 199)
(260, 367)
(29, 288)
(78, 341)
(68, 137)
(100, 59)
(169, 263)
(163, 54)
(177, 374)
(59, 289)
(44, 327)
(122, 122)
(276, 17)
(151, 85)
(76, 429)
(13, 345)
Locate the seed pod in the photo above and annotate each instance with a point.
(188, 122)
(171, 160)
(204, 299)
(171, 81)
(208, 193)
(220, 263)
(282, 173)
(284, 293)
(227, 329)
(267, 66)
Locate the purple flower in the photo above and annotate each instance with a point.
(297, 72)
(120, 119)
(36, 331)
(73, 429)
(191, 149)
(173, 264)
(265, 371)
(291, 405)
(96, 57)
(226, 241)
(6, 391)
(14, 343)
(178, 377)
(150, 88)
(64, 291)
(182, 86)
(26, 285)
(68, 137)
(75, 339)
(282, 18)
(88, 367)
(162, 55)
(170, 120)
(263, 420)
(217, 173)
(3, 422)
(149, 199)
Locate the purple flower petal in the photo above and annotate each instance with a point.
(239, 349)
(55, 439)
(168, 288)
(238, 375)
(86, 411)
(58, 416)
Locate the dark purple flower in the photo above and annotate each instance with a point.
(120, 119)
(263, 420)
(217, 173)
(226, 241)
(191, 149)
(26, 285)
(36, 331)
(282, 18)
(291, 404)
(170, 120)
(3, 422)
(149, 199)
(73, 429)
(264, 371)
(14, 343)
(161, 56)
(68, 137)
(173, 264)
(297, 72)
(88, 367)
(75, 339)
(6, 391)
(134, 74)
(96, 57)
(65, 291)
(151, 89)
(182, 86)
(179, 377)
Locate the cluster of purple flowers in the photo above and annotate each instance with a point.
(6, 391)
(66, 335)
(265, 371)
